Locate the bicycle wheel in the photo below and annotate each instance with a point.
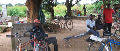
(61, 25)
(69, 24)
(97, 46)
(94, 46)
(103, 47)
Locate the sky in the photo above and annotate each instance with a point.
(23, 1)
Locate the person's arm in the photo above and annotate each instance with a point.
(103, 15)
(89, 27)
(94, 27)
(42, 29)
(88, 24)
(113, 12)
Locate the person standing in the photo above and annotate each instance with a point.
(107, 16)
(84, 10)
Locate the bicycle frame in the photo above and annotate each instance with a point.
(111, 42)
(21, 45)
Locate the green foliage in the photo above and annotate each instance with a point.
(49, 4)
(90, 8)
(19, 4)
(0, 9)
(19, 11)
(60, 10)
(0, 28)
(46, 14)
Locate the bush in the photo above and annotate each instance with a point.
(19, 11)
(60, 10)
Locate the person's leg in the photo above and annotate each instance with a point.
(94, 33)
(105, 27)
(49, 48)
(109, 27)
(76, 36)
(53, 40)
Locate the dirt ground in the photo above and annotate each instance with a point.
(5, 42)
(79, 44)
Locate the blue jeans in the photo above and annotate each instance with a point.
(94, 32)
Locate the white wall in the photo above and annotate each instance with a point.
(4, 10)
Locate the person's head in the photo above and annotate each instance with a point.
(36, 21)
(99, 16)
(108, 5)
(91, 16)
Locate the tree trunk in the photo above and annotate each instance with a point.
(68, 11)
(52, 13)
(33, 7)
(68, 5)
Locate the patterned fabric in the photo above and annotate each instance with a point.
(38, 32)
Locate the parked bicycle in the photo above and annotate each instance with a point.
(104, 44)
(38, 45)
(63, 22)
(116, 26)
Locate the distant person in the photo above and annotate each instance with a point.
(99, 23)
(107, 16)
(78, 13)
(91, 26)
(84, 10)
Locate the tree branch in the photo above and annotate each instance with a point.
(76, 2)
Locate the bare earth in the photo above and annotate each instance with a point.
(5, 42)
(77, 44)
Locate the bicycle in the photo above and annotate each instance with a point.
(57, 24)
(68, 23)
(96, 44)
(38, 45)
(102, 44)
(116, 26)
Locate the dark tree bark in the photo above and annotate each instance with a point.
(33, 8)
(52, 13)
(69, 4)
(48, 6)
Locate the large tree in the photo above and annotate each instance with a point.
(33, 9)
(69, 4)
(49, 5)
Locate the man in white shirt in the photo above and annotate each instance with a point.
(91, 26)
(90, 29)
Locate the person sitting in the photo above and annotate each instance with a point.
(91, 26)
(39, 33)
(91, 29)
(99, 23)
